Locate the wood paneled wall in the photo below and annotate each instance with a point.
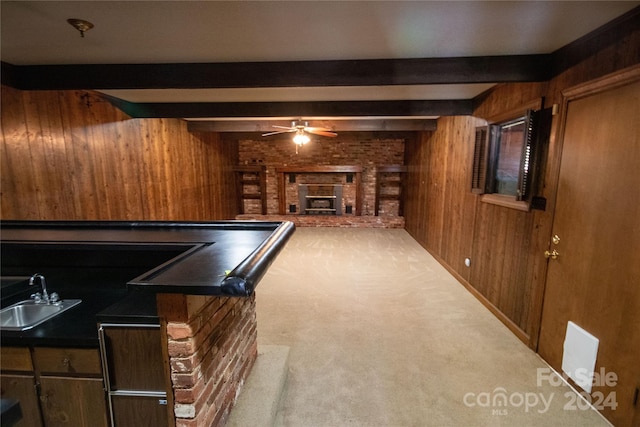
(70, 155)
(439, 209)
(507, 269)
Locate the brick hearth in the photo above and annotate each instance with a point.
(344, 221)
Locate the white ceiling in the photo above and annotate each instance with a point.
(36, 33)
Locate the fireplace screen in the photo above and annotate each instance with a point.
(320, 199)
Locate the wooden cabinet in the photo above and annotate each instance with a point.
(18, 381)
(136, 375)
(55, 386)
(65, 374)
(22, 387)
(71, 401)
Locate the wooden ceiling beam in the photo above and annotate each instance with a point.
(350, 125)
(296, 109)
(373, 72)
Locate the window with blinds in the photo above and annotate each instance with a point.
(479, 171)
(507, 158)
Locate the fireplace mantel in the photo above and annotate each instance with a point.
(281, 172)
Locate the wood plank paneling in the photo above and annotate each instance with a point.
(507, 267)
(452, 223)
(16, 156)
(71, 155)
(439, 210)
(500, 256)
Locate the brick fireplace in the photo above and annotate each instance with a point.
(362, 149)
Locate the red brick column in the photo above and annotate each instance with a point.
(212, 345)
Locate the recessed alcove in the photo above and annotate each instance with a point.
(320, 190)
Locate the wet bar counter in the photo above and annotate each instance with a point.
(118, 268)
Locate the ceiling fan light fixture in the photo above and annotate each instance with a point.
(80, 25)
(300, 130)
(300, 138)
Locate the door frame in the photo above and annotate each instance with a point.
(606, 82)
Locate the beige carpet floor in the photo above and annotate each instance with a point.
(381, 335)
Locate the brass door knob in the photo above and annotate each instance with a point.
(553, 254)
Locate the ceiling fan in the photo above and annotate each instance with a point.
(300, 128)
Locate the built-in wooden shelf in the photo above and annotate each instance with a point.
(251, 184)
(383, 179)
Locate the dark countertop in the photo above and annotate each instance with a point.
(108, 266)
(10, 285)
(76, 327)
(245, 248)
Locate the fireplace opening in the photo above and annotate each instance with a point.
(320, 199)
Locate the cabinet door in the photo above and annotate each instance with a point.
(136, 411)
(23, 389)
(134, 358)
(76, 402)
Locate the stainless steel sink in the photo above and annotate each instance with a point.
(27, 314)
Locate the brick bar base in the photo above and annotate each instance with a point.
(212, 346)
(344, 221)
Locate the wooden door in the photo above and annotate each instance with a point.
(595, 281)
(73, 402)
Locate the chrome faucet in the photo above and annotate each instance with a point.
(40, 298)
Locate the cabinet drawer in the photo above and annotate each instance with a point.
(16, 359)
(67, 361)
(135, 411)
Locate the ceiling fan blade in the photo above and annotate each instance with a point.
(312, 128)
(321, 132)
(278, 131)
(284, 127)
